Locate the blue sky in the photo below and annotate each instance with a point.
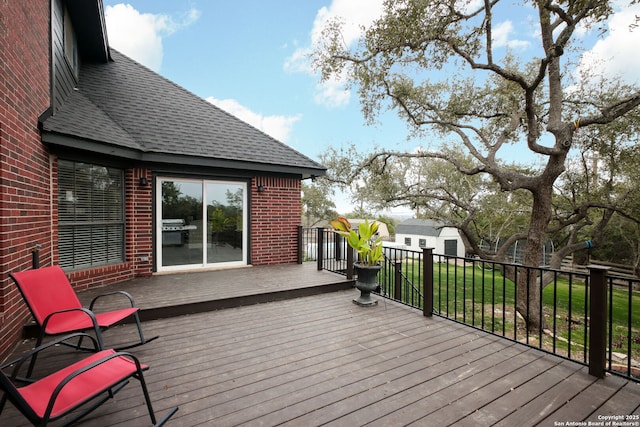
(241, 56)
(247, 57)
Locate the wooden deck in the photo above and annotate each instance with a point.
(321, 360)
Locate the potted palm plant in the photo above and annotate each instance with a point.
(368, 246)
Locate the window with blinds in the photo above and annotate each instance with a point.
(90, 215)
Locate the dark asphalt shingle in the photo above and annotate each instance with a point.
(126, 104)
(75, 115)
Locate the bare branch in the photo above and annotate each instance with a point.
(611, 112)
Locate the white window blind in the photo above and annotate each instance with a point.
(90, 215)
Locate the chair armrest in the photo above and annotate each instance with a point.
(27, 356)
(88, 312)
(126, 294)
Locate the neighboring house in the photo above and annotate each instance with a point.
(113, 172)
(416, 234)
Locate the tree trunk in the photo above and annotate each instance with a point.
(529, 291)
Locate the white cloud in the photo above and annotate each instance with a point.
(139, 35)
(298, 62)
(278, 127)
(468, 6)
(332, 94)
(501, 37)
(617, 53)
(355, 14)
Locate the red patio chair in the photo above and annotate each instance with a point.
(57, 309)
(82, 386)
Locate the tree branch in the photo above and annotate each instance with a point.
(611, 112)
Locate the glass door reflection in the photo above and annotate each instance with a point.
(182, 223)
(225, 222)
(202, 223)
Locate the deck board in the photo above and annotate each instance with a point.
(624, 402)
(321, 360)
(589, 400)
(549, 372)
(550, 400)
(497, 384)
(165, 290)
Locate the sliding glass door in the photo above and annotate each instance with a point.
(200, 223)
(225, 222)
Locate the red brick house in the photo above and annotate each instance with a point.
(113, 172)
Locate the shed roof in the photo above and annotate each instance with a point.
(419, 227)
(124, 109)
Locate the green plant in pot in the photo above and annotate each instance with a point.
(368, 246)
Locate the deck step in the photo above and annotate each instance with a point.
(179, 309)
(239, 301)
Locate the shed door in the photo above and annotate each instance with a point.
(451, 247)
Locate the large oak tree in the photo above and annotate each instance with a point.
(436, 63)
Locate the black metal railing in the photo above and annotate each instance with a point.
(328, 249)
(401, 277)
(589, 317)
(623, 321)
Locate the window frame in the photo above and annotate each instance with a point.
(70, 43)
(87, 227)
(204, 262)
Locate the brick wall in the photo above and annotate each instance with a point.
(139, 217)
(28, 181)
(25, 200)
(275, 217)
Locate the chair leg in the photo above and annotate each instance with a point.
(32, 363)
(110, 395)
(147, 399)
(139, 325)
(167, 416)
(78, 346)
(98, 331)
(140, 333)
(3, 401)
(99, 343)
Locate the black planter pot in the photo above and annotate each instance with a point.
(366, 283)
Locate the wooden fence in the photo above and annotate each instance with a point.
(623, 271)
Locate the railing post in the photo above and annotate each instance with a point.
(427, 281)
(350, 269)
(598, 320)
(397, 283)
(320, 248)
(35, 256)
(300, 243)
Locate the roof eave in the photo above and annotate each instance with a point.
(303, 171)
(131, 154)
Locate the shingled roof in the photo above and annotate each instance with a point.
(419, 227)
(124, 109)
